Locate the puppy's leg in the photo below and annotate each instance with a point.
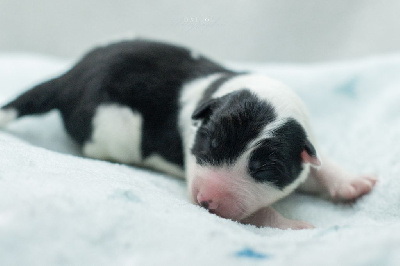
(337, 182)
(269, 217)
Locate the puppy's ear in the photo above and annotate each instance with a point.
(204, 109)
(309, 155)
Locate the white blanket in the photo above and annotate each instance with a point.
(57, 208)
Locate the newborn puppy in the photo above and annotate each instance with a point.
(242, 141)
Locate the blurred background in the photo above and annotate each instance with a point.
(229, 30)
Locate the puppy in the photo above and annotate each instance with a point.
(241, 140)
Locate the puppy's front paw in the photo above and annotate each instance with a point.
(352, 188)
(294, 225)
(269, 217)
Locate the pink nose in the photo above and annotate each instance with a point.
(207, 202)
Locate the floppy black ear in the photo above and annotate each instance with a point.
(310, 148)
(309, 155)
(204, 109)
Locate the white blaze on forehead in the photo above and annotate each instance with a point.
(267, 132)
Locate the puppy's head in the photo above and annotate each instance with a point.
(244, 155)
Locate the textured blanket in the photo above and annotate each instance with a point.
(58, 208)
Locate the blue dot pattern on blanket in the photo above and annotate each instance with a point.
(125, 195)
(128, 195)
(348, 88)
(250, 253)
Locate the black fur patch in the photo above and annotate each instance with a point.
(277, 160)
(233, 121)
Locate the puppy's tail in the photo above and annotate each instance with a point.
(40, 99)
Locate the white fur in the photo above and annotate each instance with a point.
(7, 115)
(157, 162)
(116, 136)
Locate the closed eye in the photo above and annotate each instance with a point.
(262, 175)
(262, 167)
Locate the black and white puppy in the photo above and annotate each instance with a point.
(242, 141)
